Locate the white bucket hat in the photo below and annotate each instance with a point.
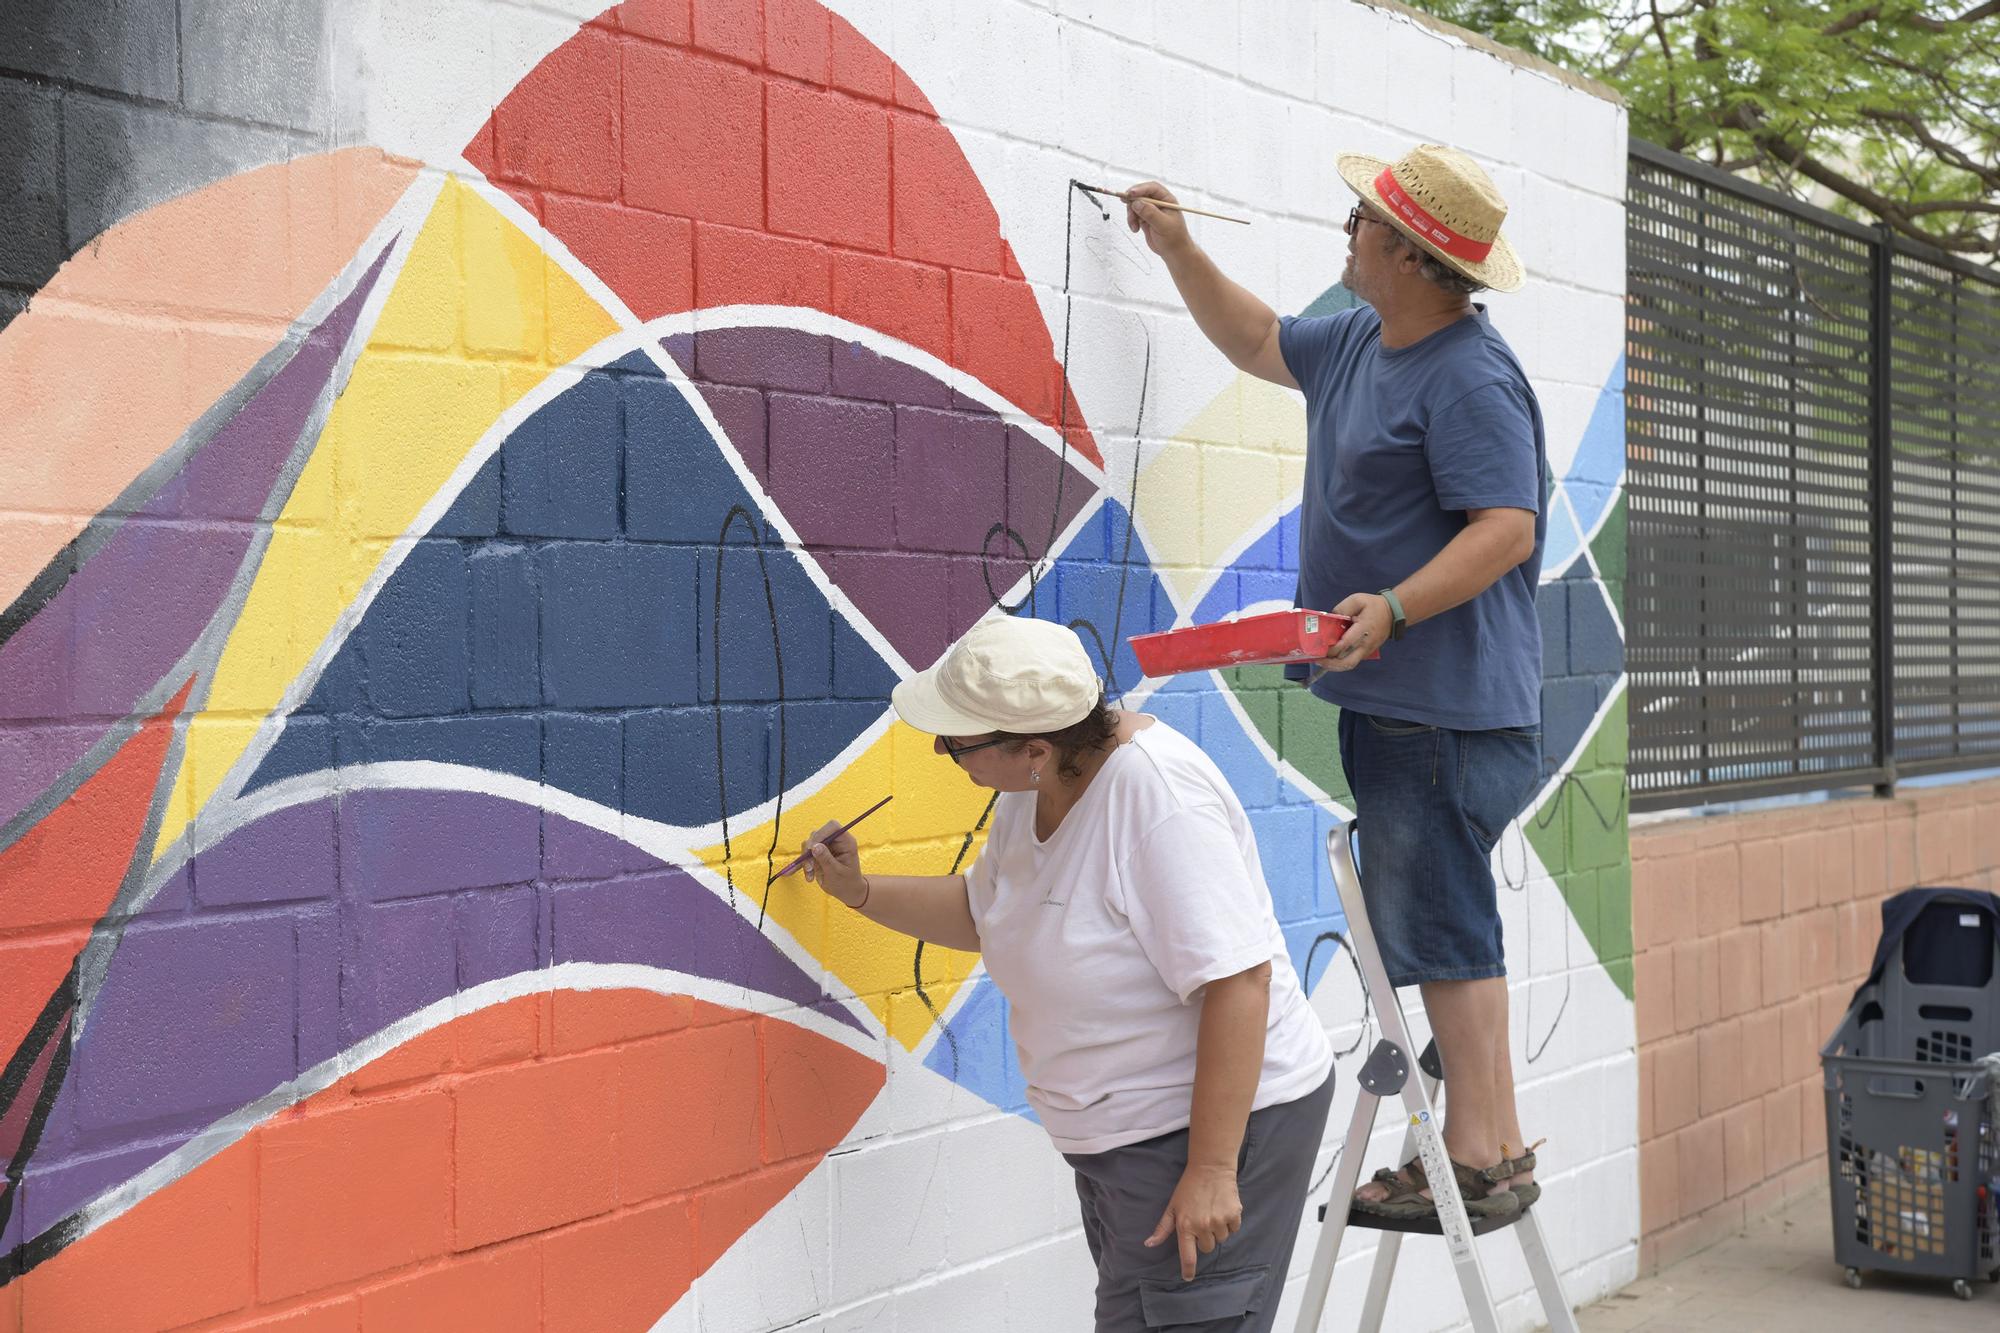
(1009, 673)
(1445, 202)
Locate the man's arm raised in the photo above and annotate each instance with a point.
(1242, 327)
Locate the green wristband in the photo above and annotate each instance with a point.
(1397, 622)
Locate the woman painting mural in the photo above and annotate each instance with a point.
(1120, 907)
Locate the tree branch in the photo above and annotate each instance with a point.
(1950, 152)
(1897, 214)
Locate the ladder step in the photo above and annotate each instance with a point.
(1422, 1226)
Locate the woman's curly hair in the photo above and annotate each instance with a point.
(1096, 731)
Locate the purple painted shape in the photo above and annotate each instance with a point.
(879, 463)
(287, 856)
(765, 358)
(402, 844)
(200, 1016)
(42, 1188)
(951, 467)
(576, 851)
(499, 935)
(316, 944)
(740, 412)
(210, 1003)
(1044, 491)
(833, 469)
(138, 603)
(400, 957)
(861, 372)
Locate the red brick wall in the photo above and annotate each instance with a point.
(1750, 933)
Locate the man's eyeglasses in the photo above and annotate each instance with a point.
(960, 751)
(1356, 217)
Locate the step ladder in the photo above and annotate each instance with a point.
(1386, 1073)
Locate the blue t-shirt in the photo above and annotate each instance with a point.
(1400, 441)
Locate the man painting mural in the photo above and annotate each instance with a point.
(1422, 519)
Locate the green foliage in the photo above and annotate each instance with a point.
(1883, 111)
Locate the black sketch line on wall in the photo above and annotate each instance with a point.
(722, 545)
(917, 963)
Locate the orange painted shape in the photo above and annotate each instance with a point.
(354, 1190)
(337, 1316)
(533, 1147)
(724, 1212)
(182, 1255)
(499, 1291)
(618, 1272)
(704, 1083)
(349, 1191)
(142, 330)
(586, 1020)
(66, 869)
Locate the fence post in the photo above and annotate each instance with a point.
(1882, 511)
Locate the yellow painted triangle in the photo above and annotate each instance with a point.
(477, 318)
(1234, 462)
(918, 833)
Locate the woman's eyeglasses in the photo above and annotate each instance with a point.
(960, 751)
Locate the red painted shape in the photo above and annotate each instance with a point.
(360, 1194)
(860, 66)
(691, 130)
(647, 258)
(581, 96)
(64, 871)
(798, 39)
(14, 1121)
(829, 164)
(709, 95)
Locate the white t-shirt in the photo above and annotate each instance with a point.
(1099, 938)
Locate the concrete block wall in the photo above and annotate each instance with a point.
(1752, 932)
(470, 473)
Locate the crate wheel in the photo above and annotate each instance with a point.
(1961, 1288)
(1854, 1278)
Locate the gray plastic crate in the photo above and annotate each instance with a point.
(1914, 1157)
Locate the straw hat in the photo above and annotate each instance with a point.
(1446, 203)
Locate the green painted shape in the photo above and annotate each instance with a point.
(1581, 837)
(1327, 302)
(1302, 728)
(1607, 548)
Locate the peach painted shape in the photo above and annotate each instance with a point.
(148, 325)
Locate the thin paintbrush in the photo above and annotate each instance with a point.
(806, 856)
(1158, 203)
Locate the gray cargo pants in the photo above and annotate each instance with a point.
(1236, 1289)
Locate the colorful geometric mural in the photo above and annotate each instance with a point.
(405, 703)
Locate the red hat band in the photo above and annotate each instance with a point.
(1455, 244)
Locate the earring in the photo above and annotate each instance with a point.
(1035, 775)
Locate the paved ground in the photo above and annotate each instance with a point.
(1779, 1275)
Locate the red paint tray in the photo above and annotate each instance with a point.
(1279, 636)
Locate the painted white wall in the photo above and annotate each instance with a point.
(938, 1212)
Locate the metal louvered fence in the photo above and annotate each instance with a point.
(1812, 413)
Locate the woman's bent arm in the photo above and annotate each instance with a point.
(933, 908)
(930, 907)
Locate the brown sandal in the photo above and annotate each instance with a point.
(1479, 1187)
(1527, 1191)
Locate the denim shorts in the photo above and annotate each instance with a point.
(1432, 802)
